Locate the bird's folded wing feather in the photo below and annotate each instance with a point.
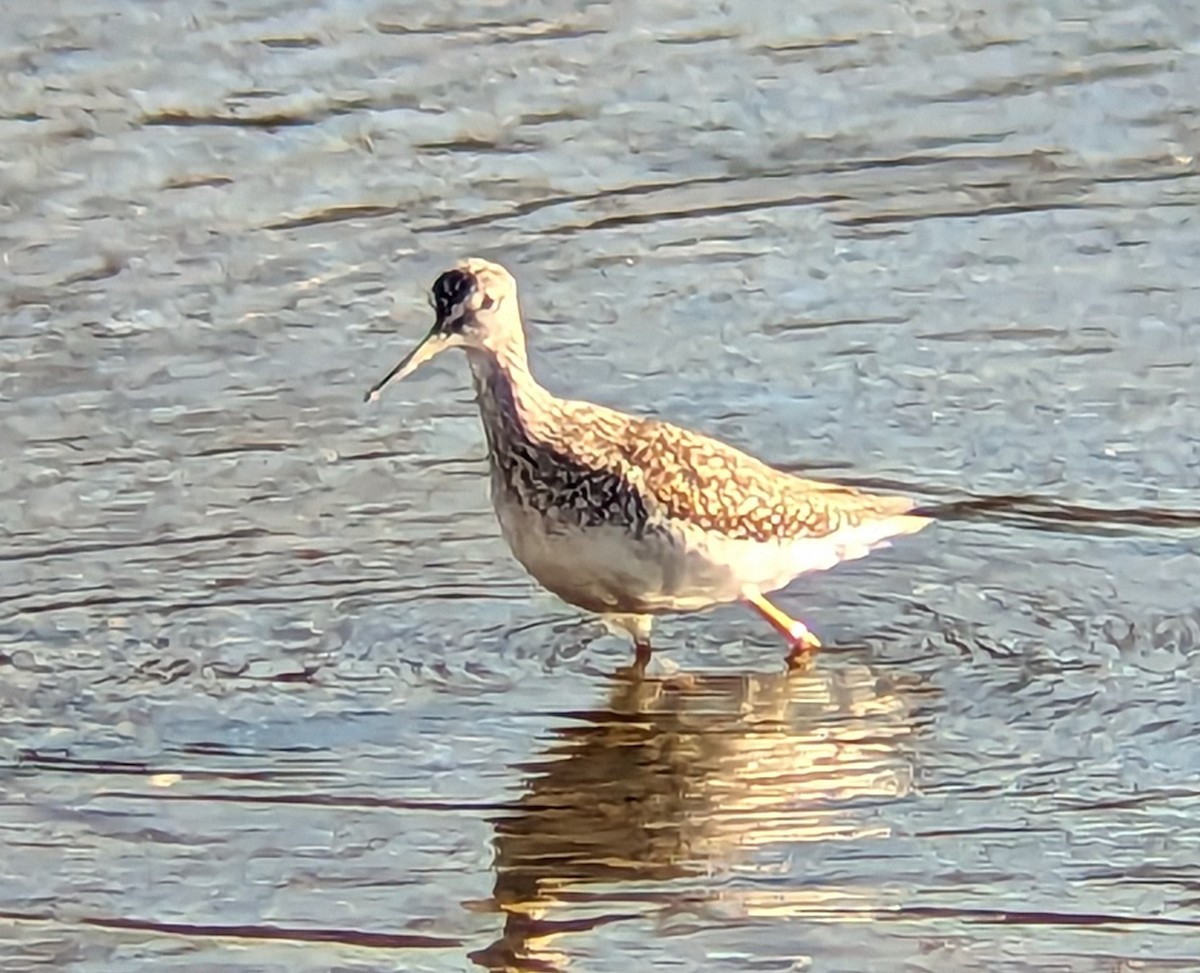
(691, 477)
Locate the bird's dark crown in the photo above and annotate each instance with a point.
(450, 290)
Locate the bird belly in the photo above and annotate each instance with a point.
(610, 568)
(674, 566)
(767, 565)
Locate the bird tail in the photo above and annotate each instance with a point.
(907, 523)
(878, 534)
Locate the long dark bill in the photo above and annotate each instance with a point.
(433, 343)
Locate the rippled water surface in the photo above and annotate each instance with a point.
(274, 695)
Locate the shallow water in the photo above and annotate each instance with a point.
(275, 696)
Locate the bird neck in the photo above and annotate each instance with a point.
(511, 402)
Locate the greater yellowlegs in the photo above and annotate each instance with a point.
(631, 517)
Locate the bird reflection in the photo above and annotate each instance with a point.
(680, 777)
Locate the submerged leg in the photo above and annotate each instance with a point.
(801, 640)
(641, 659)
(637, 626)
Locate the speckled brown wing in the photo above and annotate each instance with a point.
(719, 488)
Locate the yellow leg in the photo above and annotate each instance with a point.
(639, 627)
(801, 640)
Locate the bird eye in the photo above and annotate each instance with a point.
(486, 303)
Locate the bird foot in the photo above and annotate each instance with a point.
(804, 644)
(637, 671)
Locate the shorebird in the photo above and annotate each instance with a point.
(631, 517)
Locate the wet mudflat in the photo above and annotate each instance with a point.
(274, 695)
